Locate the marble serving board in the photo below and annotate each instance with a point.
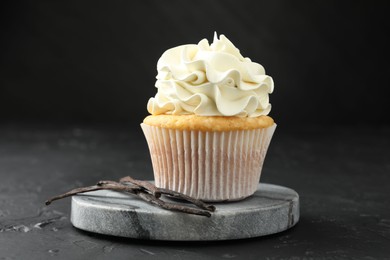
(270, 210)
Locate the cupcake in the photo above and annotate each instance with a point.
(209, 129)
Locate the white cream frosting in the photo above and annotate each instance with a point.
(210, 80)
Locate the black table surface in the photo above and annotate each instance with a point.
(342, 175)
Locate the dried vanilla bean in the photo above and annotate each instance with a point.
(158, 191)
(172, 206)
(144, 184)
(99, 186)
(178, 195)
(146, 191)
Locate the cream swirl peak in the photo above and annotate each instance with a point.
(210, 80)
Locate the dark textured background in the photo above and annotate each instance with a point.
(95, 61)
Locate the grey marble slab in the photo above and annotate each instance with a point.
(270, 210)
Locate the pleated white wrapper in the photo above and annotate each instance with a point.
(212, 166)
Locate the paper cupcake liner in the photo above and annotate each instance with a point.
(212, 166)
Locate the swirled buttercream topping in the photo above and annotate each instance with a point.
(210, 80)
